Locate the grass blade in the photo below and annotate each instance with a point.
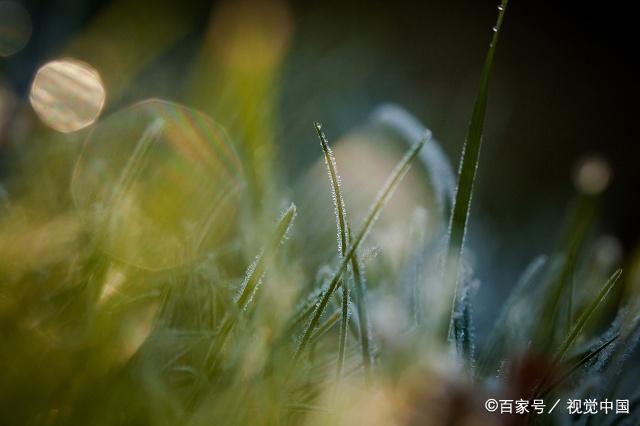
(467, 171)
(579, 222)
(250, 284)
(577, 328)
(433, 157)
(363, 316)
(583, 361)
(582, 320)
(386, 192)
(325, 326)
(341, 223)
(344, 238)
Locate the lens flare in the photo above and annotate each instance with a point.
(68, 95)
(15, 28)
(159, 183)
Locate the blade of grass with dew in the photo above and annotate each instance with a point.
(386, 192)
(305, 310)
(463, 327)
(494, 341)
(467, 172)
(582, 320)
(250, 284)
(433, 157)
(325, 326)
(577, 328)
(544, 336)
(344, 237)
(363, 316)
(583, 361)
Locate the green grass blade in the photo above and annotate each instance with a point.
(325, 326)
(580, 219)
(386, 192)
(344, 238)
(467, 171)
(363, 316)
(251, 283)
(583, 361)
(341, 223)
(336, 190)
(582, 320)
(577, 328)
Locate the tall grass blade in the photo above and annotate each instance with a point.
(387, 190)
(467, 172)
(344, 238)
(341, 223)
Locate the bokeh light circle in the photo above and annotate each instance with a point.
(159, 184)
(592, 175)
(68, 95)
(15, 28)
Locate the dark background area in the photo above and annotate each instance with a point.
(564, 85)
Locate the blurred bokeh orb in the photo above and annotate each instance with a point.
(592, 175)
(67, 95)
(159, 184)
(15, 28)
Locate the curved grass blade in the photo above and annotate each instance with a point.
(387, 190)
(250, 284)
(433, 157)
(467, 172)
(344, 238)
(341, 220)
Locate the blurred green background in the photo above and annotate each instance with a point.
(564, 86)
